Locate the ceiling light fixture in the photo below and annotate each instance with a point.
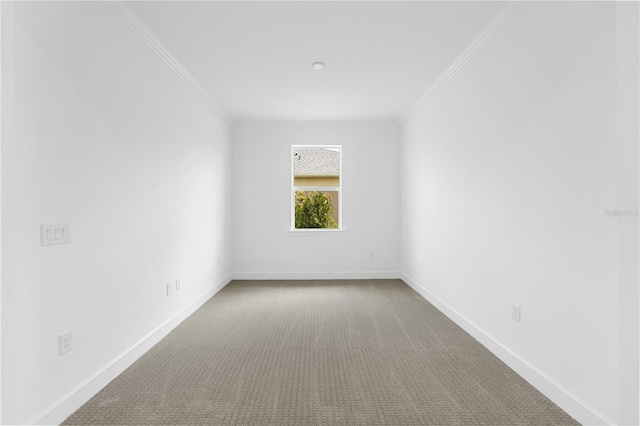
(318, 66)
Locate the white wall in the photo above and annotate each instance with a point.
(265, 247)
(107, 138)
(505, 176)
(628, 109)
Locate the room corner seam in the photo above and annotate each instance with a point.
(488, 33)
(140, 30)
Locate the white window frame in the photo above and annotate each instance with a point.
(315, 188)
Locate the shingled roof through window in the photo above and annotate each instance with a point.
(309, 161)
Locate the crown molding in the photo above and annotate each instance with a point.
(512, 9)
(135, 25)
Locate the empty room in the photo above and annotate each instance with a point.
(319, 212)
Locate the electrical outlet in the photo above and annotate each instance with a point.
(64, 343)
(178, 284)
(515, 313)
(169, 289)
(218, 262)
(372, 254)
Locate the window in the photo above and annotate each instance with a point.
(316, 187)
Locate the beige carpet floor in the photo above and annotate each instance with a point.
(362, 352)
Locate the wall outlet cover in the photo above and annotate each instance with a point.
(65, 343)
(515, 312)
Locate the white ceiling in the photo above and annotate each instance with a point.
(255, 58)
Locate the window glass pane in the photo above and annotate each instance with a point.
(316, 166)
(316, 187)
(316, 209)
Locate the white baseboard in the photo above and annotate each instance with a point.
(573, 405)
(563, 398)
(69, 403)
(350, 275)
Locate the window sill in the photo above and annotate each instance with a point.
(316, 231)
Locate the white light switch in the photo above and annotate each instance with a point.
(51, 235)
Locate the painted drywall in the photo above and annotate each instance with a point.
(506, 174)
(108, 139)
(628, 149)
(264, 245)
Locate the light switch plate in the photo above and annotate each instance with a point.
(51, 235)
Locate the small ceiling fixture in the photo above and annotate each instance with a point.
(318, 66)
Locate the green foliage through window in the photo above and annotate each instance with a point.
(314, 210)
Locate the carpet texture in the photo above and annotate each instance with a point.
(362, 352)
